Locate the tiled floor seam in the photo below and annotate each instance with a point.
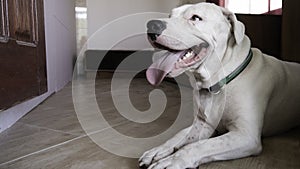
(57, 145)
(45, 128)
(42, 150)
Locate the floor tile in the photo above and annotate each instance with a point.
(56, 118)
(22, 139)
(79, 154)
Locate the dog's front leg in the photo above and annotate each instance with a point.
(165, 149)
(199, 130)
(228, 146)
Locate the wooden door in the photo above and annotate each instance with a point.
(22, 51)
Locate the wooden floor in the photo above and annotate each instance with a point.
(51, 136)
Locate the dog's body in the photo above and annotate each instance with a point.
(262, 100)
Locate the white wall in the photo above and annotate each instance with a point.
(102, 12)
(60, 28)
(60, 32)
(110, 13)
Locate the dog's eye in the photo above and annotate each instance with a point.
(196, 18)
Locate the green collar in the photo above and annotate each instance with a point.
(215, 89)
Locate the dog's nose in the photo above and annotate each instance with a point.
(155, 28)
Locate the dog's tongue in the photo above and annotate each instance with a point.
(160, 68)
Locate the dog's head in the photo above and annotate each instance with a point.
(190, 35)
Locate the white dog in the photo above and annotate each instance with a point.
(238, 90)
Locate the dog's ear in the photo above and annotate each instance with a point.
(237, 26)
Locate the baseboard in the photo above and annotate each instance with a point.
(111, 60)
(12, 115)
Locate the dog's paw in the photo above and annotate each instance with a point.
(155, 155)
(143, 167)
(178, 160)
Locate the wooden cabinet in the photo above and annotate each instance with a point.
(264, 32)
(291, 31)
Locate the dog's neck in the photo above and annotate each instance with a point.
(221, 63)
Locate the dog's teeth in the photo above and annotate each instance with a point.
(189, 54)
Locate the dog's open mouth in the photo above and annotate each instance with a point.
(192, 56)
(174, 60)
